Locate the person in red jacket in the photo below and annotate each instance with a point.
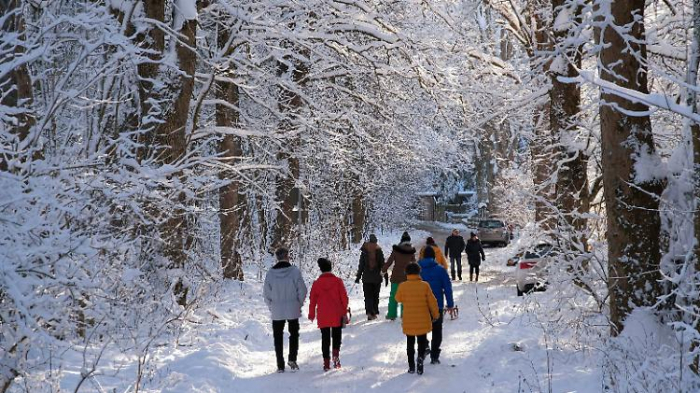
(329, 305)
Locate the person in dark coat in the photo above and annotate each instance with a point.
(328, 304)
(284, 292)
(435, 275)
(474, 250)
(370, 271)
(454, 246)
(401, 255)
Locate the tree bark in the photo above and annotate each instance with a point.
(572, 180)
(171, 141)
(542, 147)
(230, 149)
(633, 220)
(16, 88)
(692, 102)
(152, 41)
(288, 195)
(358, 216)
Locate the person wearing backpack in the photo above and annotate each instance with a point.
(370, 271)
(328, 304)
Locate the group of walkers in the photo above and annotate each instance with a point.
(422, 287)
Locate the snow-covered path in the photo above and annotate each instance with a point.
(494, 346)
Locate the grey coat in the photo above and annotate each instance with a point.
(284, 291)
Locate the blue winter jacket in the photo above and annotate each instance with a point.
(439, 281)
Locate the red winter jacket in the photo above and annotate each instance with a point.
(328, 293)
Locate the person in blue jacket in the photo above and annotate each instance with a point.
(439, 280)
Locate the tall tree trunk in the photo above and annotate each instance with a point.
(572, 180)
(541, 151)
(542, 146)
(288, 195)
(692, 102)
(171, 144)
(16, 88)
(230, 150)
(632, 199)
(153, 41)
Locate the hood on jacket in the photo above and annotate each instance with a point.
(326, 280)
(404, 248)
(281, 269)
(427, 263)
(371, 247)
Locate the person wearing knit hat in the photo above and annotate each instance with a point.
(328, 304)
(401, 255)
(474, 250)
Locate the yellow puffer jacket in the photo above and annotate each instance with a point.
(439, 256)
(419, 306)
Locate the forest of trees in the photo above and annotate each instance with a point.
(151, 148)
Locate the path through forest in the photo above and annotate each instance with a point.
(494, 346)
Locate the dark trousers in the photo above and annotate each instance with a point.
(473, 269)
(326, 333)
(456, 260)
(436, 338)
(371, 291)
(278, 334)
(410, 348)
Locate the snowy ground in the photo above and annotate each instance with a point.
(496, 345)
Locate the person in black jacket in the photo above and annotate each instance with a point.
(453, 249)
(473, 250)
(370, 271)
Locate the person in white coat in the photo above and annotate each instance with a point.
(285, 293)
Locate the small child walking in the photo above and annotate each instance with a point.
(329, 300)
(420, 309)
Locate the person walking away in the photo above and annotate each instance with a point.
(285, 292)
(454, 246)
(328, 304)
(473, 249)
(436, 276)
(370, 271)
(439, 256)
(420, 310)
(401, 255)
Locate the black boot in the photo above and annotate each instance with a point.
(419, 368)
(435, 357)
(411, 365)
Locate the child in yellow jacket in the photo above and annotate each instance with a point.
(420, 309)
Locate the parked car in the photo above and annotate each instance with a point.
(530, 268)
(493, 231)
